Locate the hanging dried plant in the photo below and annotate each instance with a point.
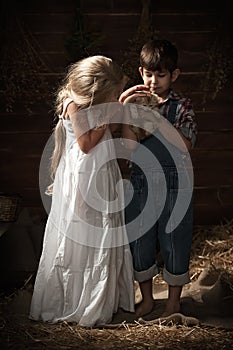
(85, 40)
(22, 68)
(220, 57)
(144, 33)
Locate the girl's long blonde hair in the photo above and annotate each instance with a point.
(92, 80)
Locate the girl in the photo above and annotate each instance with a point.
(85, 272)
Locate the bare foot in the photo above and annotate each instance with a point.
(171, 308)
(144, 307)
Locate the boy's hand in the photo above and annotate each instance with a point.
(133, 91)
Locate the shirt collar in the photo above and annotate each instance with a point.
(171, 96)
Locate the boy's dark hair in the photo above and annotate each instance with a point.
(159, 55)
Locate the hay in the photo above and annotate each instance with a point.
(212, 246)
(65, 336)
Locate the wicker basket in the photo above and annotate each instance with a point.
(9, 207)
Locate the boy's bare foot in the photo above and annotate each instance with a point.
(171, 308)
(144, 307)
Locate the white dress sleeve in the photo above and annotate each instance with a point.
(65, 105)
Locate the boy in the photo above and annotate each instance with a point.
(159, 70)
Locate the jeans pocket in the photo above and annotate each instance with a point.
(135, 199)
(158, 188)
(138, 182)
(180, 209)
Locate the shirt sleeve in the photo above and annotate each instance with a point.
(185, 120)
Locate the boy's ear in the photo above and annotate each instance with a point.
(175, 74)
(140, 71)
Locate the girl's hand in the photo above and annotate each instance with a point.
(132, 98)
(131, 91)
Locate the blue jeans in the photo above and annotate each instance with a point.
(174, 246)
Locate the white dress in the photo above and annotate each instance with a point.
(85, 272)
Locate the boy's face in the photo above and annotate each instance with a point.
(159, 82)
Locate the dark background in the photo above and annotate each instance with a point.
(40, 38)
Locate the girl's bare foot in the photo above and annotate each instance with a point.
(144, 307)
(171, 308)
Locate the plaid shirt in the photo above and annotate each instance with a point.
(185, 117)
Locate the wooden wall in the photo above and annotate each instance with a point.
(192, 26)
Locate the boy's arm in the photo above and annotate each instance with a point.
(183, 136)
(126, 132)
(187, 142)
(174, 136)
(186, 123)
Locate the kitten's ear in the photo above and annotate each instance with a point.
(140, 69)
(175, 74)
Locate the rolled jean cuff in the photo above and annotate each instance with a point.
(176, 280)
(142, 276)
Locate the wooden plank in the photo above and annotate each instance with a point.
(54, 79)
(156, 6)
(50, 22)
(221, 104)
(58, 60)
(209, 178)
(214, 121)
(212, 214)
(23, 172)
(212, 159)
(24, 123)
(122, 28)
(183, 22)
(190, 40)
(161, 21)
(191, 61)
(189, 82)
(111, 5)
(183, 6)
(59, 22)
(30, 196)
(22, 145)
(215, 140)
(53, 6)
(128, 24)
(222, 195)
(119, 29)
(31, 199)
(52, 41)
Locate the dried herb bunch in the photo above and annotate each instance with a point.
(220, 56)
(22, 68)
(144, 33)
(84, 40)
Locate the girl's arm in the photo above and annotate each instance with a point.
(128, 136)
(172, 134)
(127, 133)
(87, 138)
(90, 139)
(131, 91)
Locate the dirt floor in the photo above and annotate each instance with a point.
(205, 321)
